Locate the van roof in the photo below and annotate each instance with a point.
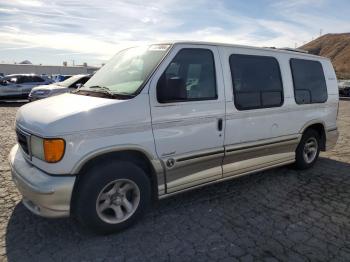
(271, 49)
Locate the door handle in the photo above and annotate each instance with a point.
(220, 124)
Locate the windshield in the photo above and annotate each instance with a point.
(127, 70)
(68, 82)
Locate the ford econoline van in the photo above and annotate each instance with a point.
(161, 119)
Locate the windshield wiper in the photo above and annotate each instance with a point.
(106, 91)
(103, 90)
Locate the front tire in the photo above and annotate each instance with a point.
(111, 196)
(308, 150)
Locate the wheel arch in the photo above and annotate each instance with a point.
(320, 127)
(152, 167)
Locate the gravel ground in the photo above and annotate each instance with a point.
(277, 215)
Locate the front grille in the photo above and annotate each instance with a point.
(23, 141)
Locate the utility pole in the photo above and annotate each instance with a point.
(321, 31)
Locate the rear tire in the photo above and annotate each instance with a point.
(111, 196)
(308, 150)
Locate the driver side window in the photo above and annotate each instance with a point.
(189, 77)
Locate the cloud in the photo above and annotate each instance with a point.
(96, 29)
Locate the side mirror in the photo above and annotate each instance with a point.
(78, 85)
(171, 90)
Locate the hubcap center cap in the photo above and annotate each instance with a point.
(117, 199)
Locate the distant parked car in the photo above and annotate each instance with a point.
(66, 86)
(344, 88)
(20, 85)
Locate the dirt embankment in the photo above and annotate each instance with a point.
(337, 48)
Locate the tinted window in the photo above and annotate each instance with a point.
(38, 79)
(189, 77)
(256, 82)
(309, 81)
(23, 79)
(81, 81)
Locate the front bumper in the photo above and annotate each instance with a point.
(331, 138)
(43, 194)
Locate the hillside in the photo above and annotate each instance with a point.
(337, 48)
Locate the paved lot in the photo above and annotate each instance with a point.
(281, 214)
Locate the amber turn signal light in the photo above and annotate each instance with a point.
(53, 150)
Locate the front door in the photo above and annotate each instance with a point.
(187, 106)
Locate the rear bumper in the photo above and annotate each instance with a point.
(331, 138)
(43, 194)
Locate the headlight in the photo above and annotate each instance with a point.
(47, 149)
(37, 148)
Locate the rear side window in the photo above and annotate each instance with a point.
(257, 82)
(189, 77)
(309, 81)
(23, 79)
(37, 79)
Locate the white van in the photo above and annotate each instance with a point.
(161, 119)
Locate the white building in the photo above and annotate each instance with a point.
(7, 69)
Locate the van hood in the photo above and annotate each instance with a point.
(48, 87)
(71, 113)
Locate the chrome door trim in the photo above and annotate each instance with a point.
(200, 155)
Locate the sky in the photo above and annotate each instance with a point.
(77, 31)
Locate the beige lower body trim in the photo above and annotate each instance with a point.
(191, 169)
(196, 178)
(211, 166)
(249, 157)
(227, 178)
